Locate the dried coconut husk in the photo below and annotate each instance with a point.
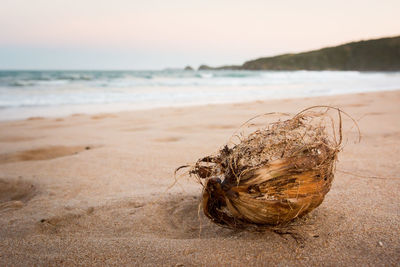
(274, 174)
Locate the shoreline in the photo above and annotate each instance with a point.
(114, 108)
(91, 189)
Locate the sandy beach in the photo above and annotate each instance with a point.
(92, 190)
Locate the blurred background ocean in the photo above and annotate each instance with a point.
(57, 93)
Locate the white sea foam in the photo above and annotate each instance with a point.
(24, 94)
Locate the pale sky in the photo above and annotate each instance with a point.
(151, 34)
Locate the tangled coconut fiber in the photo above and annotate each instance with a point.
(273, 175)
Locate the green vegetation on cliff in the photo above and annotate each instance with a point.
(371, 55)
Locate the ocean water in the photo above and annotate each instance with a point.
(57, 93)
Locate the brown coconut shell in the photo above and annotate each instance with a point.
(273, 175)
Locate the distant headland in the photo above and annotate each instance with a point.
(370, 55)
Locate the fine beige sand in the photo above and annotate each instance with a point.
(92, 190)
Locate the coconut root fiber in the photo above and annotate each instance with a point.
(274, 174)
